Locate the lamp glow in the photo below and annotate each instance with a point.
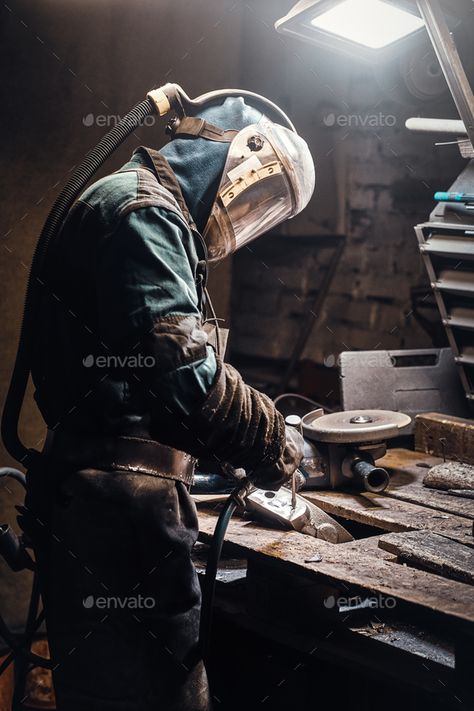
(372, 23)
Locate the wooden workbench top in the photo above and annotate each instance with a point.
(405, 506)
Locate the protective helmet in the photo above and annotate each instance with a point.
(268, 175)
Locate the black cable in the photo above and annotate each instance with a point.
(211, 484)
(73, 188)
(215, 321)
(215, 550)
(237, 498)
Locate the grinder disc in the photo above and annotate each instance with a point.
(354, 426)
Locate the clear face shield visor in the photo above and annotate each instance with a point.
(268, 177)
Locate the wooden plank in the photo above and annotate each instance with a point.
(407, 469)
(445, 436)
(396, 651)
(432, 552)
(390, 511)
(370, 546)
(390, 514)
(452, 601)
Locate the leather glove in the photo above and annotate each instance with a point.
(273, 476)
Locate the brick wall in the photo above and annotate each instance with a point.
(375, 181)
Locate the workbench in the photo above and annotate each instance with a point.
(398, 600)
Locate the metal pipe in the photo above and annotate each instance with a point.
(434, 125)
(450, 61)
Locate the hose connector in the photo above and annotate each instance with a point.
(160, 100)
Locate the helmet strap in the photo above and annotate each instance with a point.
(199, 128)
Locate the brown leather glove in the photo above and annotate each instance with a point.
(239, 425)
(273, 476)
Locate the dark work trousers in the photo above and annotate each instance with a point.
(121, 594)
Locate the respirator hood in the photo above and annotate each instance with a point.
(241, 165)
(198, 162)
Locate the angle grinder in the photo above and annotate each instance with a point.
(341, 448)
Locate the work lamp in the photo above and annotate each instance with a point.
(369, 27)
(362, 26)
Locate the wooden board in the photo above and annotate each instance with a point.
(390, 514)
(341, 564)
(445, 436)
(370, 546)
(432, 552)
(407, 469)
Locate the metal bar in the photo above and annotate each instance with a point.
(448, 57)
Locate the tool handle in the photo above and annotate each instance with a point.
(442, 196)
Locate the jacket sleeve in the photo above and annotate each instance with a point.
(149, 307)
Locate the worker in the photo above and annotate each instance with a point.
(133, 392)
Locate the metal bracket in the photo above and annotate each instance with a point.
(450, 61)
